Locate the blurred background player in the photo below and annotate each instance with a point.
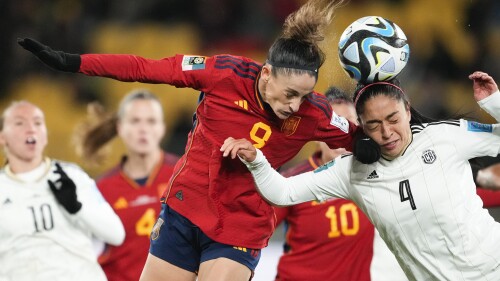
(134, 186)
(49, 210)
(214, 223)
(334, 232)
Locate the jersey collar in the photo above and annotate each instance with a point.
(151, 176)
(45, 163)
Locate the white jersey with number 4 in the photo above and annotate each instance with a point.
(39, 240)
(423, 203)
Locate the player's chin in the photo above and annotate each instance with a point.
(283, 115)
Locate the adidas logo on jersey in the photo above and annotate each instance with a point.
(7, 201)
(373, 175)
(179, 195)
(242, 103)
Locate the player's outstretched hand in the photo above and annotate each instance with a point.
(489, 177)
(64, 190)
(239, 147)
(58, 60)
(483, 85)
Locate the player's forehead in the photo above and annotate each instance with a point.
(23, 110)
(294, 82)
(142, 107)
(381, 107)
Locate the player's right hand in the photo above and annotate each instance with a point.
(239, 147)
(58, 60)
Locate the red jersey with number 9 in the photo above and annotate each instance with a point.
(215, 193)
(138, 208)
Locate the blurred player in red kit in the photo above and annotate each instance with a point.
(133, 188)
(213, 222)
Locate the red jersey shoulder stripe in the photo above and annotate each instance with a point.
(241, 68)
(252, 66)
(321, 103)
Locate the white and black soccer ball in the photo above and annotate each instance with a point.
(373, 49)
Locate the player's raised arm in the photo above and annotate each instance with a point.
(272, 186)
(486, 93)
(57, 60)
(126, 67)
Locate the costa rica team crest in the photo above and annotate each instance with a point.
(429, 156)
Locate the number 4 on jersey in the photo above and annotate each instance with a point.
(404, 186)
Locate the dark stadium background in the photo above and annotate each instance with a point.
(448, 40)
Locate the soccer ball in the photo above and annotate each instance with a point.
(373, 49)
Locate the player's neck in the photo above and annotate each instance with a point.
(141, 165)
(261, 86)
(17, 165)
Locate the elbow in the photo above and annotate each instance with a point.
(118, 236)
(116, 231)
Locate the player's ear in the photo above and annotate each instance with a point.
(265, 73)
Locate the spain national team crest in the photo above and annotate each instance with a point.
(429, 156)
(155, 233)
(290, 125)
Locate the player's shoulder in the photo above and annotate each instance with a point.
(436, 126)
(3, 175)
(341, 164)
(109, 175)
(69, 167)
(240, 66)
(170, 159)
(319, 105)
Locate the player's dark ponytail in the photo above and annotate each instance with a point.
(296, 51)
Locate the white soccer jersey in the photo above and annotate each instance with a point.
(39, 240)
(423, 203)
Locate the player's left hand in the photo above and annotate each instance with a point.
(489, 177)
(64, 190)
(239, 147)
(483, 85)
(58, 60)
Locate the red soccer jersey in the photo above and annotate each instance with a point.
(331, 240)
(215, 193)
(138, 207)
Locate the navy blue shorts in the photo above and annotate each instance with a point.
(178, 241)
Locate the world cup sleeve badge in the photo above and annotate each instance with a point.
(193, 63)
